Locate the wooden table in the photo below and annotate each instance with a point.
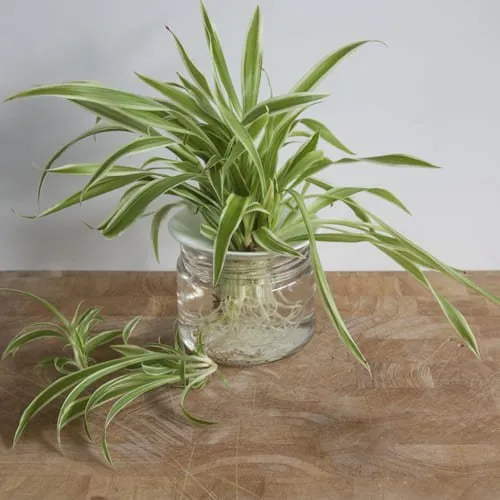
(314, 426)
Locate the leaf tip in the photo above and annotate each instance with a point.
(27, 217)
(18, 433)
(59, 442)
(89, 226)
(87, 429)
(473, 346)
(382, 42)
(105, 450)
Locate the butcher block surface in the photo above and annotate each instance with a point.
(424, 425)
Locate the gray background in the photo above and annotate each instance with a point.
(433, 93)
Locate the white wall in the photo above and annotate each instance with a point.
(433, 93)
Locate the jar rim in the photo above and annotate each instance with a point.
(184, 226)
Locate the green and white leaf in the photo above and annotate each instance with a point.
(230, 220)
(324, 289)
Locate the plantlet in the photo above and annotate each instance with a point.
(87, 385)
(75, 333)
(221, 152)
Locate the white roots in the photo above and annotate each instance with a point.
(250, 309)
(249, 323)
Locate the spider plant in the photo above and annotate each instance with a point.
(87, 385)
(74, 333)
(226, 154)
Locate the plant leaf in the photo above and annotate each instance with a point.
(101, 339)
(312, 78)
(106, 185)
(124, 401)
(91, 168)
(328, 300)
(288, 231)
(280, 104)
(208, 232)
(140, 145)
(140, 121)
(269, 241)
(88, 91)
(252, 63)
(230, 219)
(92, 132)
(219, 60)
(195, 73)
(391, 160)
(454, 316)
(47, 361)
(201, 379)
(158, 218)
(274, 138)
(129, 328)
(129, 349)
(101, 370)
(46, 325)
(105, 393)
(325, 133)
(457, 319)
(64, 365)
(340, 237)
(51, 308)
(63, 384)
(302, 157)
(132, 208)
(86, 322)
(22, 339)
(177, 96)
(125, 118)
(193, 195)
(299, 167)
(114, 386)
(246, 140)
(341, 193)
(198, 137)
(435, 263)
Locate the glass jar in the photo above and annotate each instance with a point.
(262, 309)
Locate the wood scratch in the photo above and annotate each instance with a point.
(238, 486)
(436, 351)
(237, 460)
(194, 479)
(268, 371)
(187, 471)
(254, 394)
(9, 393)
(263, 459)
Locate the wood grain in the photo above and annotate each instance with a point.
(314, 426)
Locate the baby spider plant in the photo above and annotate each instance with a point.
(87, 385)
(75, 334)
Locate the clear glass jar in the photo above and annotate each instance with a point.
(262, 309)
